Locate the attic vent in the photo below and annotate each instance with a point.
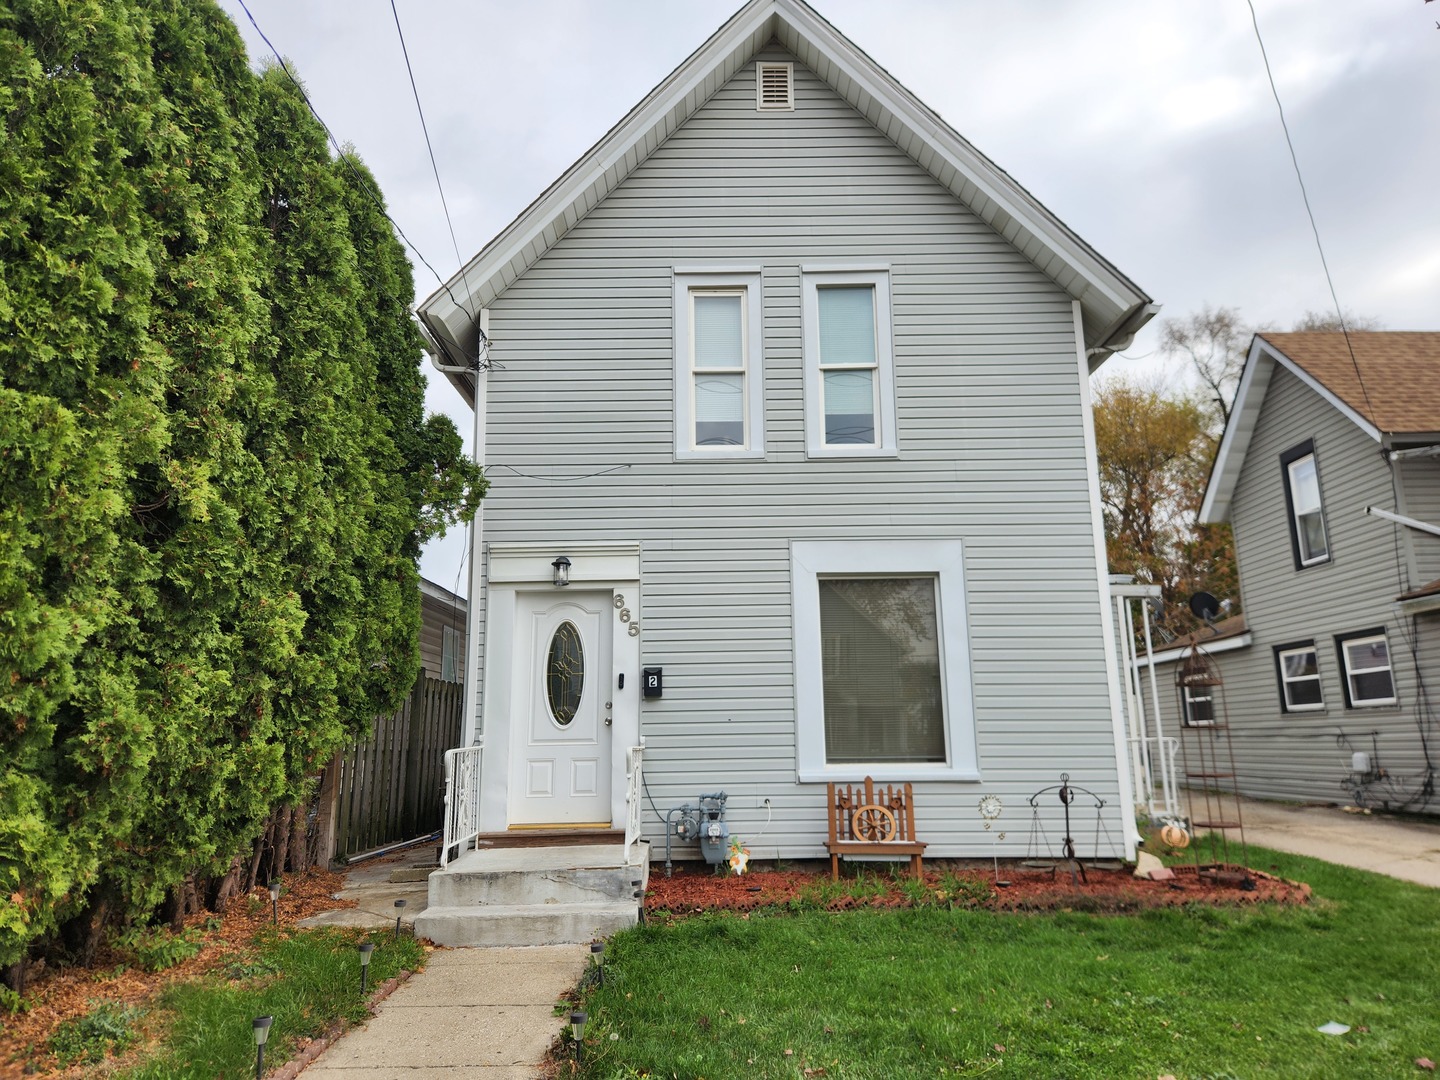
(774, 87)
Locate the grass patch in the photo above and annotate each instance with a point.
(305, 979)
(1197, 992)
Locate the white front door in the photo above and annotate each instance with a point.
(563, 699)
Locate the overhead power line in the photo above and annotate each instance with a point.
(1305, 195)
(364, 185)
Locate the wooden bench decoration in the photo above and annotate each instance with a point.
(872, 821)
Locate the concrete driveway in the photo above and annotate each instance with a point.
(1400, 848)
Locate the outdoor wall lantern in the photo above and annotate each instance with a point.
(275, 901)
(597, 953)
(399, 910)
(261, 1026)
(577, 1030)
(562, 570)
(365, 950)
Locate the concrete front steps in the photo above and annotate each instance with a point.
(550, 895)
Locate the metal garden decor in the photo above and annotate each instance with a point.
(990, 807)
(1066, 794)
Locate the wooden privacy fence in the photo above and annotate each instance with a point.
(391, 786)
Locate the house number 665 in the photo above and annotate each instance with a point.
(625, 615)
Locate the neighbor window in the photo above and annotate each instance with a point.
(1299, 672)
(849, 375)
(449, 654)
(1199, 706)
(882, 661)
(1365, 662)
(719, 404)
(1302, 498)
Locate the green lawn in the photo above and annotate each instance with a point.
(305, 979)
(1231, 992)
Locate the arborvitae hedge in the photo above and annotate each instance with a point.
(215, 468)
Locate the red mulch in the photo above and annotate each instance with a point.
(55, 994)
(695, 890)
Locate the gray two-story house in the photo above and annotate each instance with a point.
(1329, 474)
(782, 391)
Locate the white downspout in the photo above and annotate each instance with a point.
(470, 730)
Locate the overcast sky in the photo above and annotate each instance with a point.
(1149, 128)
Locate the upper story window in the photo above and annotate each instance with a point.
(719, 378)
(849, 370)
(1365, 661)
(1299, 671)
(1302, 498)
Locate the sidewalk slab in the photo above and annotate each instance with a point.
(1399, 848)
(486, 1014)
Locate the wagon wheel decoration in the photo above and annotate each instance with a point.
(873, 822)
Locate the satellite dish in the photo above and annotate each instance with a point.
(1205, 606)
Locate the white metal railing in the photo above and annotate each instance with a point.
(462, 799)
(1157, 753)
(634, 758)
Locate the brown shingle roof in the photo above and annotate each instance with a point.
(1401, 371)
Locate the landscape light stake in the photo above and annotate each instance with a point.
(597, 952)
(261, 1026)
(639, 899)
(365, 950)
(577, 1029)
(399, 910)
(275, 901)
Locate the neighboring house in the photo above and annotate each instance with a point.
(793, 383)
(442, 632)
(1329, 474)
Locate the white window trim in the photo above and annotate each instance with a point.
(687, 281)
(1295, 509)
(1285, 680)
(944, 559)
(1346, 671)
(811, 279)
(1190, 696)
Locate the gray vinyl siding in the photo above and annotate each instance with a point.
(991, 452)
(1305, 756)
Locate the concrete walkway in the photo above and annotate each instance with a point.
(472, 1014)
(1408, 850)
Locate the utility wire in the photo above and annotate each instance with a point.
(445, 206)
(1294, 160)
(365, 186)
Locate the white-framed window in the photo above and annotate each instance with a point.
(882, 661)
(449, 654)
(1298, 668)
(1308, 540)
(1365, 664)
(849, 362)
(1199, 705)
(719, 366)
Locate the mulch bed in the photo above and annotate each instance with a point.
(693, 890)
(56, 994)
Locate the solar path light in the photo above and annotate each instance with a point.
(261, 1026)
(365, 950)
(577, 1032)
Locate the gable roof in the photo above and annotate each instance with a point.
(1399, 396)
(1113, 307)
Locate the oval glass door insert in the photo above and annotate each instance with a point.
(565, 673)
